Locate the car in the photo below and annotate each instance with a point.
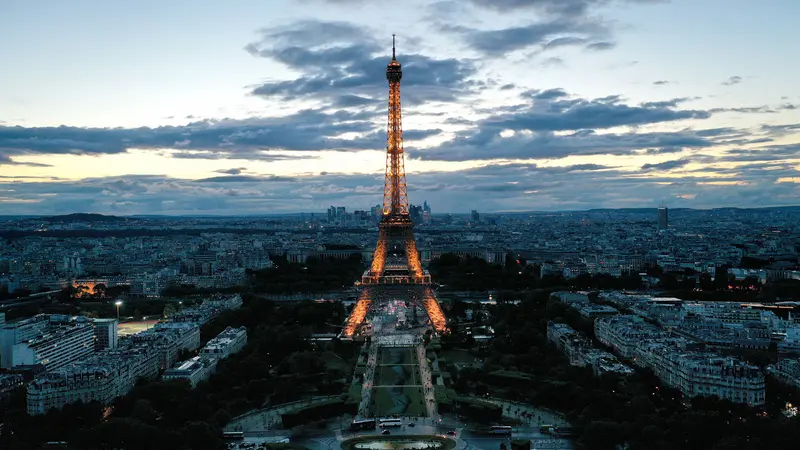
(386, 432)
(411, 424)
(452, 432)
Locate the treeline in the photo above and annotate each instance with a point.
(277, 365)
(608, 411)
(475, 274)
(316, 275)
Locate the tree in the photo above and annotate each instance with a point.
(169, 309)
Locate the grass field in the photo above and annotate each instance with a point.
(398, 374)
(396, 391)
(397, 355)
(403, 401)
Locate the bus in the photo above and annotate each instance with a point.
(563, 431)
(366, 424)
(386, 423)
(233, 436)
(501, 429)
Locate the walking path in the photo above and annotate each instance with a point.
(270, 418)
(528, 414)
(425, 372)
(366, 387)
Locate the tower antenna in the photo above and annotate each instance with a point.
(393, 56)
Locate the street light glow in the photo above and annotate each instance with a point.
(118, 303)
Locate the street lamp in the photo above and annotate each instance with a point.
(118, 303)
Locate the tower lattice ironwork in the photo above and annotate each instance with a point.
(396, 259)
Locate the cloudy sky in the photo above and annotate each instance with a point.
(273, 106)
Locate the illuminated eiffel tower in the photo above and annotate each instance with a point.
(396, 270)
(396, 259)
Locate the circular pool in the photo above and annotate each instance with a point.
(399, 443)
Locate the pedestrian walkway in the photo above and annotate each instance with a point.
(427, 381)
(527, 414)
(270, 418)
(364, 409)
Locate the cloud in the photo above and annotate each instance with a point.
(340, 66)
(548, 94)
(493, 187)
(570, 8)
(234, 171)
(8, 161)
(732, 80)
(665, 166)
(559, 114)
(554, 124)
(253, 139)
(660, 82)
(246, 179)
(489, 145)
(545, 35)
(600, 46)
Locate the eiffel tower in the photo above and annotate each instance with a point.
(396, 259)
(396, 270)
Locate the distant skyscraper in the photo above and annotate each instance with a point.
(415, 212)
(476, 217)
(663, 218)
(377, 212)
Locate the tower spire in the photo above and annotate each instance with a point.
(393, 56)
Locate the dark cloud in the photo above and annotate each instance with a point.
(499, 187)
(563, 42)
(306, 130)
(665, 166)
(732, 80)
(234, 171)
(341, 67)
(8, 161)
(548, 94)
(246, 179)
(543, 34)
(660, 82)
(571, 8)
(600, 46)
(418, 135)
(767, 153)
(578, 114)
(535, 129)
(487, 145)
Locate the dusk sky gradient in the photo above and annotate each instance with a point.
(276, 106)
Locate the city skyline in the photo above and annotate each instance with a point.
(510, 106)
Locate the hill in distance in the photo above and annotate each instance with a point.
(87, 217)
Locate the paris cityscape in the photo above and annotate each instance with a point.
(504, 226)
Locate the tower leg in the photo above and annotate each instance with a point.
(379, 259)
(414, 265)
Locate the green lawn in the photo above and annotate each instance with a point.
(403, 401)
(457, 356)
(397, 355)
(393, 375)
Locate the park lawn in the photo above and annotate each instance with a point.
(397, 355)
(387, 376)
(457, 356)
(385, 406)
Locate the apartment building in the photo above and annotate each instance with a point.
(696, 373)
(102, 377)
(193, 370)
(230, 341)
(787, 371)
(53, 341)
(623, 332)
